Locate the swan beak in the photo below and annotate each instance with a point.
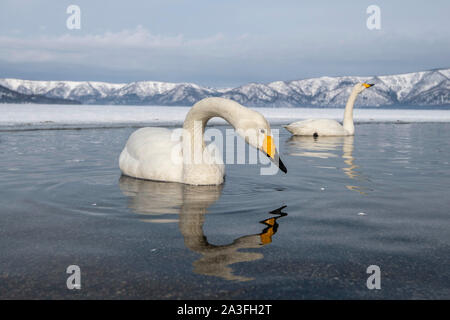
(368, 85)
(269, 149)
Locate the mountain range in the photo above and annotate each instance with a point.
(425, 88)
(11, 96)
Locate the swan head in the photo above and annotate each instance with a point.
(255, 130)
(360, 87)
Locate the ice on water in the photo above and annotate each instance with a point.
(111, 115)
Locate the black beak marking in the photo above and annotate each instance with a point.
(278, 162)
(282, 166)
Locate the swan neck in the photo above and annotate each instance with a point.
(198, 116)
(191, 227)
(348, 113)
(209, 108)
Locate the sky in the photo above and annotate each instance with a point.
(220, 43)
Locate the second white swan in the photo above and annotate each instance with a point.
(328, 127)
(153, 153)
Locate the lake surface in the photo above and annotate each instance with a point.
(381, 198)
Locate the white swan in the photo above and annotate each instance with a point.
(154, 154)
(327, 127)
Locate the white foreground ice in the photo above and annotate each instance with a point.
(112, 115)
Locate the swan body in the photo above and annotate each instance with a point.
(327, 127)
(317, 127)
(159, 154)
(139, 159)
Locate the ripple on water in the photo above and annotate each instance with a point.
(398, 183)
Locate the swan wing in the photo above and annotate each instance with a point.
(152, 154)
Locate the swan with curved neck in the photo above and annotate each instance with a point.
(156, 154)
(327, 127)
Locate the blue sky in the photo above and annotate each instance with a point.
(220, 43)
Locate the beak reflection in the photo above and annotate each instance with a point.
(272, 226)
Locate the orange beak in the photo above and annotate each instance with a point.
(270, 150)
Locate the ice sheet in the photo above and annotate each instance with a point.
(33, 115)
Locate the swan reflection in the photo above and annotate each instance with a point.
(152, 199)
(329, 147)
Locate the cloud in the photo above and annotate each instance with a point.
(73, 47)
(232, 59)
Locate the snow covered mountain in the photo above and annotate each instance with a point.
(426, 88)
(11, 96)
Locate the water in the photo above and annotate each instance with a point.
(380, 198)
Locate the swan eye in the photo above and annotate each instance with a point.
(262, 130)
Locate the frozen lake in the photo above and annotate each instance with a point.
(29, 116)
(380, 198)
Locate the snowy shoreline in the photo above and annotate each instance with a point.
(32, 115)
